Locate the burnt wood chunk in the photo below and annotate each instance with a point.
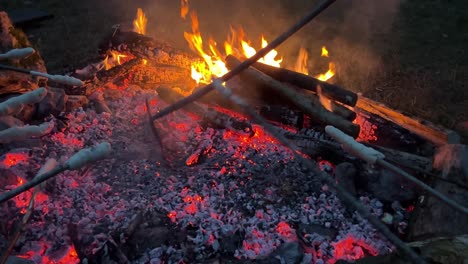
(273, 88)
(303, 81)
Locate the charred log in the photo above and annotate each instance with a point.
(309, 83)
(156, 51)
(277, 89)
(433, 133)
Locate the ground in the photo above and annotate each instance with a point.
(409, 55)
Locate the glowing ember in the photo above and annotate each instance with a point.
(12, 159)
(351, 248)
(367, 133)
(139, 24)
(22, 200)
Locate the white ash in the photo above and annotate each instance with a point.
(261, 192)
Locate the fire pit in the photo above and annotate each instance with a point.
(204, 184)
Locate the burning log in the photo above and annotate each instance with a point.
(303, 81)
(168, 62)
(316, 111)
(202, 149)
(146, 47)
(437, 135)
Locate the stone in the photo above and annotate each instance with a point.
(287, 253)
(386, 185)
(75, 102)
(345, 174)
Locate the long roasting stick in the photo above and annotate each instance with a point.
(374, 157)
(56, 78)
(247, 63)
(344, 195)
(75, 162)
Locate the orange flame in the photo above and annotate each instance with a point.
(326, 103)
(116, 59)
(215, 64)
(301, 63)
(214, 58)
(139, 24)
(330, 73)
(184, 8)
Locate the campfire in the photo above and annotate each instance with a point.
(96, 169)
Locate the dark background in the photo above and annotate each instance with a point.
(408, 54)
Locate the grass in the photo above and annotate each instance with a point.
(416, 62)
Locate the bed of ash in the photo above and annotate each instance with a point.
(250, 188)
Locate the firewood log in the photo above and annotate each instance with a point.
(436, 135)
(279, 90)
(303, 81)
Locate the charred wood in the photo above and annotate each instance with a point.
(283, 115)
(429, 212)
(317, 112)
(405, 159)
(303, 81)
(156, 51)
(436, 135)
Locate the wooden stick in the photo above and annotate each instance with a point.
(247, 63)
(315, 111)
(343, 194)
(17, 54)
(75, 162)
(63, 79)
(436, 135)
(408, 160)
(336, 108)
(373, 156)
(303, 81)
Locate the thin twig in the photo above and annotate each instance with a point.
(36, 181)
(75, 162)
(20, 229)
(344, 195)
(247, 63)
